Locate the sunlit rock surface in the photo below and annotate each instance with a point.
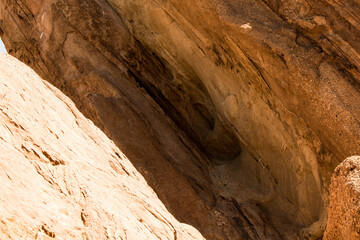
(61, 177)
(236, 112)
(344, 201)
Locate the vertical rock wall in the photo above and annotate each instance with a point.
(244, 104)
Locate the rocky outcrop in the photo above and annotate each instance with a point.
(344, 206)
(61, 177)
(243, 104)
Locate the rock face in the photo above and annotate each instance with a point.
(344, 206)
(61, 177)
(244, 104)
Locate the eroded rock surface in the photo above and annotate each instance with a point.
(344, 202)
(244, 104)
(61, 177)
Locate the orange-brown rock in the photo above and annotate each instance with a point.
(61, 177)
(247, 106)
(344, 202)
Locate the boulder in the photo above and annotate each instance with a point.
(62, 177)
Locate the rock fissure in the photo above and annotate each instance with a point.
(243, 105)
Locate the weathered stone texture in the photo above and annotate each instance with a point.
(344, 202)
(244, 104)
(61, 177)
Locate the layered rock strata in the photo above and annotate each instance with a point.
(243, 104)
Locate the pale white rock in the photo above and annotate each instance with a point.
(61, 177)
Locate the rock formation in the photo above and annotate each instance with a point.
(344, 206)
(235, 112)
(61, 177)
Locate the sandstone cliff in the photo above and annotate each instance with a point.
(61, 177)
(236, 112)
